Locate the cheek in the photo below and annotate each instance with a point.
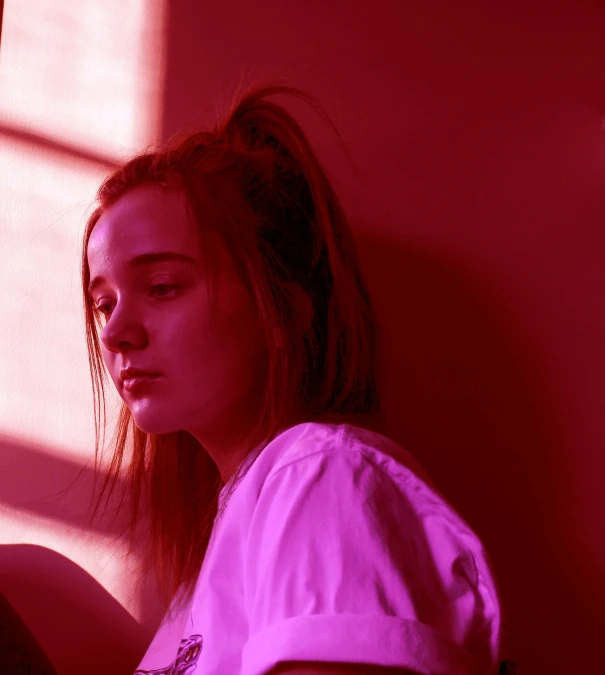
(233, 345)
(232, 340)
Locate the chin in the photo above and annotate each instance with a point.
(153, 425)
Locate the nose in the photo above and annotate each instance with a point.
(123, 330)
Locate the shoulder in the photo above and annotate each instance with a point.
(339, 463)
(312, 445)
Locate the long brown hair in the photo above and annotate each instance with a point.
(255, 181)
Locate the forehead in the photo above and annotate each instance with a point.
(148, 218)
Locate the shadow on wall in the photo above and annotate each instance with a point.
(463, 392)
(61, 486)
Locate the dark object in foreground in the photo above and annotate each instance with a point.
(19, 649)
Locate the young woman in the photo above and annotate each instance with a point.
(224, 297)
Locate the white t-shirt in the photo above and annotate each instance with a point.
(336, 546)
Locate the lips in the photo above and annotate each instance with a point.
(141, 381)
(131, 373)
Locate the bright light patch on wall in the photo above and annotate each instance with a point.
(45, 390)
(89, 74)
(80, 89)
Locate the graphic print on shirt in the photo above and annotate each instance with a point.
(186, 659)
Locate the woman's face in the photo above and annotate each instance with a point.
(211, 369)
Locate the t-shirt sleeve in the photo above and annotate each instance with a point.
(345, 562)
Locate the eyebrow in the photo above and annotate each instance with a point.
(146, 259)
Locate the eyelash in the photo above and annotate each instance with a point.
(100, 308)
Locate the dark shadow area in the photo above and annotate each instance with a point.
(459, 393)
(20, 652)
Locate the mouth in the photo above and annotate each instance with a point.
(139, 382)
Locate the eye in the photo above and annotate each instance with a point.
(101, 310)
(170, 287)
(105, 309)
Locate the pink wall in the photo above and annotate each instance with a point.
(478, 209)
(477, 204)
